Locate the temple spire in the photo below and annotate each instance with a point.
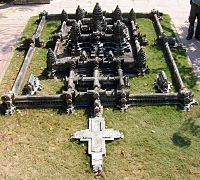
(97, 13)
(132, 16)
(75, 31)
(80, 13)
(64, 16)
(117, 14)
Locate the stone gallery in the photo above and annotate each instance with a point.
(96, 53)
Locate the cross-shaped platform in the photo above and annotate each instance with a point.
(96, 136)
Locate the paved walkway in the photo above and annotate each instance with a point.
(13, 20)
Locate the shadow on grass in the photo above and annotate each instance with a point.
(2, 111)
(24, 44)
(188, 76)
(62, 111)
(165, 24)
(179, 140)
(155, 47)
(50, 44)
(54, 23)
(189, 129)
(187, 73)
(157, 70)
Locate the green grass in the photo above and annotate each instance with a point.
(155, 60)
(161, 142)
(18, 58)
(38, 63)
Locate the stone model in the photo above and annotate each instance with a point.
(162, 83)
(96, 136)
(33, 85)
(96, 53)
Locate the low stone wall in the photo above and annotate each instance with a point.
(31, 1)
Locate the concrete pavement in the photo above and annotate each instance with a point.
(13, 20)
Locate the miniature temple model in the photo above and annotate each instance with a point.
(33, 85)
(96, 54)
(162, 83)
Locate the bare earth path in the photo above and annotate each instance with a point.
(13, 20)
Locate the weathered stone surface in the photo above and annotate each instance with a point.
(96, 136)
(33, 85)
(7, 103)
(162, 83)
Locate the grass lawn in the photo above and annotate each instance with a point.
(161, 142)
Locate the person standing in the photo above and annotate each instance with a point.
(194, 13)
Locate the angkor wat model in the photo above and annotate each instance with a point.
(96, 53)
